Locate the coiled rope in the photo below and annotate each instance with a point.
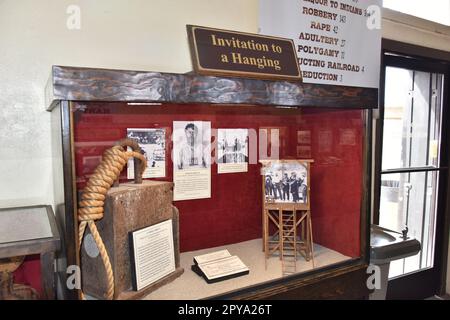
(91, 204)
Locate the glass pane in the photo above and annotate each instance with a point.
(232, 217)
(410, 199)
(412, 119)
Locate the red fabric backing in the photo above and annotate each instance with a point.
(233, 213)
(29, 273)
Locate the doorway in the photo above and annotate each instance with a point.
(413, 171)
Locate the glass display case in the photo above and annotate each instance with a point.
(328, 125)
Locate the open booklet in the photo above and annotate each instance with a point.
(218, 266)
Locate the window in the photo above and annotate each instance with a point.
(410, 164)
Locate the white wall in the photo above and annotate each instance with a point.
(409, 29)
(133, 34)
(434, 10)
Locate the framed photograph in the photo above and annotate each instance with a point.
(286, 181)
(191, 145)
(153, 144)
(191, 160)
(232, 147)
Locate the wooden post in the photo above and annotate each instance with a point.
(48, 275)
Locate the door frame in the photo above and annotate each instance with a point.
(398, 54)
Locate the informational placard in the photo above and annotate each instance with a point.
(222, 268)
(204, 258)
(337, 42)
(231, 53)
(153, 254)
(218, 266)
(191, 160)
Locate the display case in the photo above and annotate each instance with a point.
(330, 125)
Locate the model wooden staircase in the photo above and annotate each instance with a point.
(292, 237)
(287, 226)
(288, 242)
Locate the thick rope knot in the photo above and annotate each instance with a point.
(91, 204)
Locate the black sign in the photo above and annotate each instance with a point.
(222, 52)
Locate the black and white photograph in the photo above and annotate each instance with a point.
(153, 144)
(232, 148)
(191, 144)
(286, 182)
(191, 160)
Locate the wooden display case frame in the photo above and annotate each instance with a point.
(345, 280)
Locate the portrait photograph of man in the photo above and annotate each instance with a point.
(191, 145)
(191, 156)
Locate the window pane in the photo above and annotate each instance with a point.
(232, 217)
(412, 119)
(410, 199)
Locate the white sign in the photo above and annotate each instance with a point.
(153, 253)
(337, 42)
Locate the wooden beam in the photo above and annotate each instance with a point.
(85, 84)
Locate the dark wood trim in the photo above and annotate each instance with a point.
(425, 283)
(415, 51)
(416, 286)
(48, 275)
(264, 289)
(294, 285)
(50, 100)
(366, 187)
(378, 148)
(411, 170)
(415, 64)
(443, 224)
(70, 223)
(85, 84)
